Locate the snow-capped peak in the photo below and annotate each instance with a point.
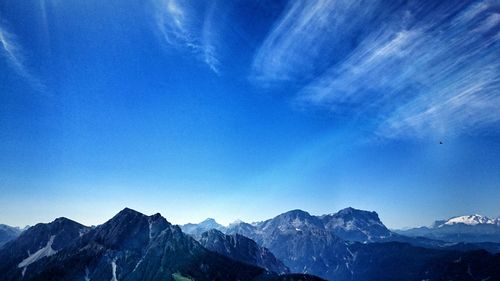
(470, 220)
(236, 222)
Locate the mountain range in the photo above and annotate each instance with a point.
(344, 246)
(355, 245)
(348, 224)
(130, 246)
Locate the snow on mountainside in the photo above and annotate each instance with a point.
(43, 240)
(46, 251)
(197, 229)
(471, 220)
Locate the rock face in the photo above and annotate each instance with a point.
(349, 224)
(356, 225)
(8, 233)
(241, 248)
(302, 243)
(469, 229)
(131, 246)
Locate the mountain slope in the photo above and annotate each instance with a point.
(8, 233)
(241, 248)
(399, 261)
(37, 243)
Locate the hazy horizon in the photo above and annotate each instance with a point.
(248, 109)
(102, 220)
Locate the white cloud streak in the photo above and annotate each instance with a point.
(418, 77)
(180, 26)
(13, 53)
(304, 35)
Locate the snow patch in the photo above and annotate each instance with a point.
(46, 251)
(87, 273)
(113, 270)
(150, 229)
(138, 263)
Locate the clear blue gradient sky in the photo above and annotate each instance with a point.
(245, 109)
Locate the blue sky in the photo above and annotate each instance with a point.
(245, 109)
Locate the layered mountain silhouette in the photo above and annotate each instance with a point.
(355, 245)
(345, 246)
(130, 246)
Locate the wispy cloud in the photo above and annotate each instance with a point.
(461, 107)
(306, 33)
(184, 26)
(13, 53)
(423, 71)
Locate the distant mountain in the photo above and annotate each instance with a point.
(301, 241)
(470, 220)
(8, 233)
(470, 229)
(349, 224)
(130, 246)
(241, 248)
(197, 229)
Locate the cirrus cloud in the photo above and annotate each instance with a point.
(184, 26)
(14, 55)
(421, 69)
